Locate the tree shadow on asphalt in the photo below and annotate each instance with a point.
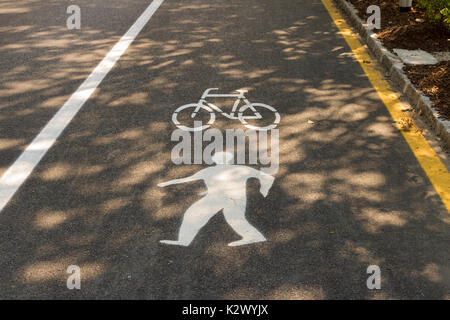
(348, 194)
(43, 62)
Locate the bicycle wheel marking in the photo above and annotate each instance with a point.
(193, 106)
(252, 106)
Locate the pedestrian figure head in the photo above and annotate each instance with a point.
(222, 158)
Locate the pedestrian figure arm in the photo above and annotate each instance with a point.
(177, 181)
(266, 181)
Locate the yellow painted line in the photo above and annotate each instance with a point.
(430, 162)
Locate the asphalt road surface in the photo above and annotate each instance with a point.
(349, 192)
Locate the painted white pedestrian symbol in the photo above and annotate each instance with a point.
(204, 106)
(226, 185)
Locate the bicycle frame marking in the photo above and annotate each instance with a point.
(239, 97)
(212, 108)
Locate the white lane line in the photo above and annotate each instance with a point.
(19, 171)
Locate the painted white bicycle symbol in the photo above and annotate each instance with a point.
(211, 108)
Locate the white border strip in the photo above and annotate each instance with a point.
(19, 171)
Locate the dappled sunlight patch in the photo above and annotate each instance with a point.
(432, 272)
(446, 219)
(19, 87)
(351, 250)
(168, 211)
(90, 170)
(340, 189)
(188, 21)
(176, 53)
(438, 227)
(160, 80)
(326, 96)
(15, 29)
(49, 219)
(163, 83)
(188, 63)
(130, 134)
(385, 130)
(6, 144)
(373, 146)
(295, 156)
(353, 112)
(288, 85)
(379, 295)
(54, 42)
(280, 32)
(139, 173)
(17, 70)
(330, 136)
(181, 171)
(24, 87)
(44, 271)
(134, 98)
(313, 196)
(226, 57)
(295, 131)
(58, 171)
(360, 179)
(314, 244)
(283, 236)
(223, 264)
(77, 58)
(308, 187)
(158, 126)
(234, 73)
(224, 65)
(137, 50)
(56, 270)
(296, 57)
(54, 102)
(374, 220)
(372, 196)
(337, 48)
(347, 55)
(81, 240)
(191, 7)
(292, 292)
(114, 204)
(122, 239)
(241, 293)
(295, 47)
(257, 73)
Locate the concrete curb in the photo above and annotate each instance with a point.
(393, 65)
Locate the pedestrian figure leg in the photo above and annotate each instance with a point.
(194, 219)
(235, 216)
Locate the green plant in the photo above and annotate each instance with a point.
(436, 10)
(446, 16)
